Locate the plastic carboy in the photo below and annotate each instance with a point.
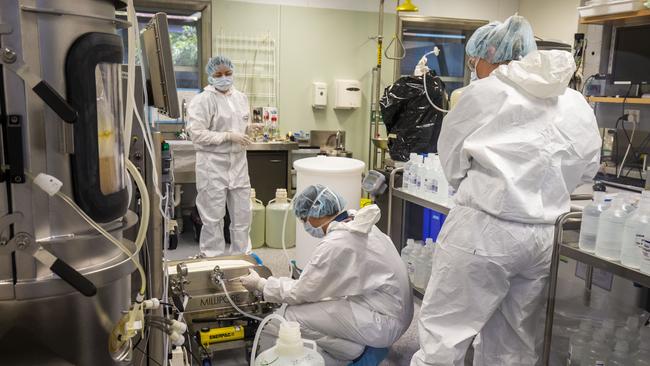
(258, 221)
(275, 212)
(610, 229)
(589, 225)
(290, 349)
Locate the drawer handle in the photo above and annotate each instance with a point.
(275, 161)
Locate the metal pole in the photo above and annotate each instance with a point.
(552, 286)
(391, 187)
(380, 40)
(155, 249)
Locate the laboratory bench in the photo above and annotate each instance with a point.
(269, 165)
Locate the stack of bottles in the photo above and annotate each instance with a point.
(418, 261)
(615, 229)
(605, 345)
(424, 177)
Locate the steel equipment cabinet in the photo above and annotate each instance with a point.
(268, 170)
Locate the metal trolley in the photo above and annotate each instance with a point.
(571, 221)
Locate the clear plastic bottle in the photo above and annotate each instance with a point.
(597, 351)
(430, 247)
(419, 175)
(589, 226)
(429, 179)
(609, 326)
(421, 264)
(579, 342)
(413, 262)
(632, 233)
(407, 250)
(408, 171)
(621, 355)
(642, 356)
(443, 185)
(610, 229)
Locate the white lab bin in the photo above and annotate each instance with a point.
(342, 175)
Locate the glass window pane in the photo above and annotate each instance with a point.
(449, 64)
(110, 143)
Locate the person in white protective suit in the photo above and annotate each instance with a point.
(514, 147)
(354, 292)
(217, 121)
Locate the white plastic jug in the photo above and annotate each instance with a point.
(290, 349)
(275, 213)
(258, 221)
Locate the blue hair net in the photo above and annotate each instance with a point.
(215, 62)
(500, 42)
(317, 201)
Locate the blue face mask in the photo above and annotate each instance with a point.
(316, 232)
(222, 83)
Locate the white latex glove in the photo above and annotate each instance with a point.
(253, 281)
(239, 138)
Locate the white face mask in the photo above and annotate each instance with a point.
(473, 77)
(222, 83)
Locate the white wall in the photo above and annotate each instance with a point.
(467, 9)
(552, 19)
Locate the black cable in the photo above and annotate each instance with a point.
(189, 347)
(147, 356)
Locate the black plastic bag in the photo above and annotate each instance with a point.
(413, 124)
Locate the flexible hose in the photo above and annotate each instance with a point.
(627, 151)
(108, 236)
(284, 236)
(259, 332)
(146, 210)
(426, 91)
(223, 286)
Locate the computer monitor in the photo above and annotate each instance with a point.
(158, 66)
(631, 59)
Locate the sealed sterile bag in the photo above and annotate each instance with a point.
(412, 123)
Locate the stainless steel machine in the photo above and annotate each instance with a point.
(61, 112)
(218, 330)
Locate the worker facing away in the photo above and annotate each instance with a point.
(515, 146)
(353, 295)
(217, 122)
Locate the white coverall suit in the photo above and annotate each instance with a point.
(221, 168)
(515, 146)
(354, 291)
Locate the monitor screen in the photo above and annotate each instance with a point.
(631, 61)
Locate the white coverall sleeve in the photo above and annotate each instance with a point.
(332, 272)
(593, 166)
(461, 122)
(198, 123)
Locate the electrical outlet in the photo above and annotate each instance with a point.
(633, 115)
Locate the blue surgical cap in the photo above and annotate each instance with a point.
(215, 62)
(501, 42)
(317, 201)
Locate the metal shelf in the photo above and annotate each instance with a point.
(569, 221)
(616, 268)
(409, 197)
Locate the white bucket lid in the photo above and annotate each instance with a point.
(329, 165)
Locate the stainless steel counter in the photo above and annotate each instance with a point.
(272, 146)
(184, 155)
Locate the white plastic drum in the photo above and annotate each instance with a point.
(342, 175)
